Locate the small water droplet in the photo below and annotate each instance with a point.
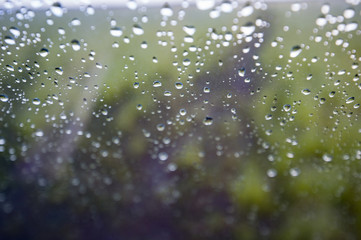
(75, 22)
(90, 10)
(116, 32)
(166, 10)
(205, 4)
(44, 52)
(350, 100)
(14, 31)
(286, 107)
(306, 91)
(57, 9)
(190, 30)
(9, 40)
(75, 45)
(163, 156)
(295, 51)
(208, 121)
(327, 157)
(138, 30)
(271, 173)
(248, 28)
(242, 72)
(321, 21)
(206, 90)
(246, 11)
(157, 84)
(36, 101)
(59, 70)
(349, 13)
(352, 26)
(178, 85)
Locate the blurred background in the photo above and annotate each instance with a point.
(182, 120)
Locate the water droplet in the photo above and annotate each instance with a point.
(190, 30)
(160, 127)
(167, 93)
(271, 173)
(206, 90)
(14, 31)
(226, 6)
(295, 51)
(116, 32)
(138, 30)
(248, 28)
(4, 98)
(327, 157)
(75, 45)
(350, 100)
(205, 4)
(90, 10)
(246, 11)
(286, 107)
(182, 112)
(75, 22)
(144, 45)
(157, 84)
(242, 72)
(306, 91)
(59, 70)
(349, 13)
(57, 9)
(352, 26)
(9, 40)
(44, 52)
(139, 107)
(163, 156)
(36, 101)
(132, 4)
(178, 85)
(208, 121)
(166, 10)
(136, 85)
(321, 21)
(186, 62)
(295, 172)
(39, 133)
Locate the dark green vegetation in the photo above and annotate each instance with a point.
(127, 124)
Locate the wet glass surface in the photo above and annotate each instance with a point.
(181, 120)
